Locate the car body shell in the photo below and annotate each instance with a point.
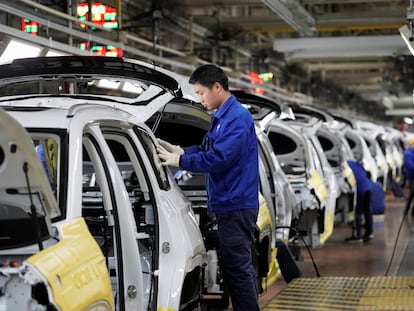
(70, 124)
(357, 144)
(300, 155)
(378, 154)
(338, 154)
(54, 268)
(309, 126)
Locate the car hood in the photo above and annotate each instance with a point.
(137, 87)
(22, 174)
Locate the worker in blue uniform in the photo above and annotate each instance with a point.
(409, 163)
(228, 155)
(409, 171)
(41, 153)
(363, 204)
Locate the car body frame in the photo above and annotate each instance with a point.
(103, 168)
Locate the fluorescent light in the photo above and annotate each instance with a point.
(55, 53)
(132, 88)
(17, 49)
(120, 86)
(108, 84)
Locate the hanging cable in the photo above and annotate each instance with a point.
(33, 208)
(306, 246)
(407, 209)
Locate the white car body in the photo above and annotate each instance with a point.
(45, 266)
(281, 194)
(371, 137)
(152, 267)
(297, 159)
(309, 126)
(358, 145)
(336, 154)
(392, 138)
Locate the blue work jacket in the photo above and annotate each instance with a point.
(229, 157)
(363, 183)
(409, 162)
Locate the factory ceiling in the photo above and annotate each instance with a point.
(346, 55)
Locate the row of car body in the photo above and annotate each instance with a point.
(107, 227)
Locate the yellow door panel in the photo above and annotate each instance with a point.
(75, 270)
(317, 183)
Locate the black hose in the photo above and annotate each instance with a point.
(33, 208)
(306, 245)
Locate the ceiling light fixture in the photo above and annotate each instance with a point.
(293, 13)
(19, 49)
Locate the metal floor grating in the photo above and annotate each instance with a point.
(346, 293)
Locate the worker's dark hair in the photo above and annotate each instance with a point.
(209, 74)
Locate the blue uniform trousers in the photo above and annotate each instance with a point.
(235, 230)
(363, 207)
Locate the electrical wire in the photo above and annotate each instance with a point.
(306, 246)
(32, 207)
(407, 209)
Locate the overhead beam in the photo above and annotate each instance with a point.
(400, 112)
(374, 17)
(364, 87)
(347, 66)
(341, 47)
(188, 4)
(402, 102)
(375, 20)
(311, 2)
(366, 76)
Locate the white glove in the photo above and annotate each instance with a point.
(171, 148)
(168, 158)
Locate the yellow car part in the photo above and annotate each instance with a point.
(264, 223)
(75, 270)
(329, 226)
(274, 271)
(349, 175)
(315, 180)
(320, 190)
(263, 218)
